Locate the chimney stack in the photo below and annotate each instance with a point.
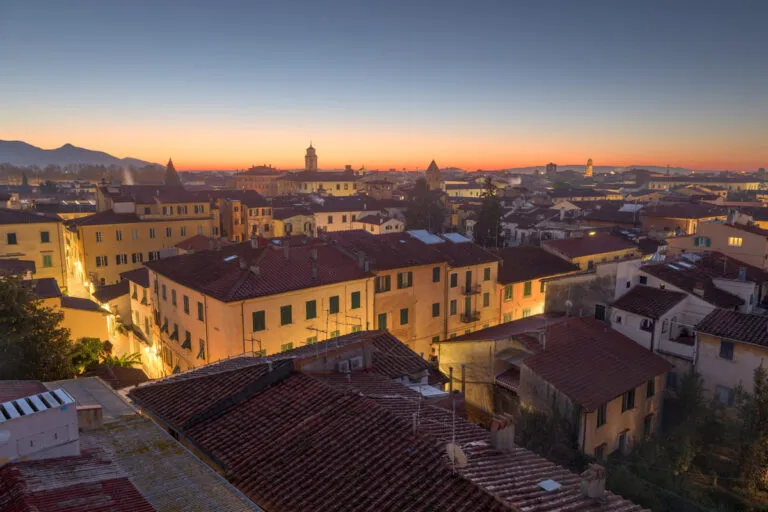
(593, 481)
(361, 260)
(287, 250)
(314, 271)
(313, 254)
(742, 273)
(255, 270)
(503, 433)
(698, 289)
(254, 242)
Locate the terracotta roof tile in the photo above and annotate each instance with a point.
(388, 251)
(25, 217)
(528, 262)
(599, 243)
(112, 291)
(139, 276)
(648, 302)
(736, 326)
(591, 363)
(684, 211)
(13, 389)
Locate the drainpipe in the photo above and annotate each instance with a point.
(207, 338)
(242, 319)
(653, 333)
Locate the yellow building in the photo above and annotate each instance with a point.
(37, 238)
(334, 183)
(83, 317)
(731, 182)
(377, 224)
(586, 252)
(244, 214)
(245, 298)
(293, 221)
(262, 179)
(522, 280)
(141, 224)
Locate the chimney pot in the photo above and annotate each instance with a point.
(313, 253)
(593, 481)
(255, 270)
(254, 242)
(314, 271)
(287, 250)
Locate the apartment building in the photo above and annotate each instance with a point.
(248, 298)
(35, 238)
(591, 249)
(679, 219)
(747, 243)
(261, 179)
(333, 183)
(244, 213)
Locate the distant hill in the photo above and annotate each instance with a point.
(22, 154)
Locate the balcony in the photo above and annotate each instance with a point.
(470, 316)
(472, 289)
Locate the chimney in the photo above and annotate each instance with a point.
(313, 254)
(463, 378)
(89, 417)
(450, 379)
(243, 263)
(255, 270)
(593, 481)
(287, 250)
(742, 273)
(503, 433)
(562, 214)
(254, 242)
(361, 260)
(211, 244)
(314, 271)
(698, 289)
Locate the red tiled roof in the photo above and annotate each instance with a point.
(25, 217)
(736, 326)
(507, 330)
(597, 244)
(591, 363)
(117, 377)
(388, 251)
(683, 211)
(200, 243)
(112, 291)
(464, 254)
(509, 379)
(219, 273)
(84, 483)
(528, 262)
(648, 302)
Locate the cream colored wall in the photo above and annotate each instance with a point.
(513, 309)
(342, 221)
(29, 247)
(85, 324)
(489, 316)
(110, 246)
(583, 261)
(395, 226)
(753, 250)
(297, 222)
(718, 371)
(308, 187)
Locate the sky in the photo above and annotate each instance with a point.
(391, 84)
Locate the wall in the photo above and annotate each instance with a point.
(85, 324)
(753, 250)
(29, 247)
(520, 306)
(488, 316)
(584, 291)
(717, 371)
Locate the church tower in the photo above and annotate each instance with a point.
(310, 159)
(588, 172)
(172, 178)
(433, 176)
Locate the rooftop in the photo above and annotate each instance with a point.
(599, 243)
(230, 274)
(706, 179)
(140, 276)
(117, 377)
(591, 363)
(78, 303)
(684, 211)
(25, 217)
(528, 262)
(45, 288)
(509, 330)
(200, 243)
(110, 217)
(736, 326)
(16, 267)
(388, 251)
(110, 292)
(320, 176)
(648, 302)
(150, 194)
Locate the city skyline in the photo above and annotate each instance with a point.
(488, 86)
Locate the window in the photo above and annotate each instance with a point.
(435, 339)
(185, 301)
(453, 307)
(628, 401)
(286, 315)
(12, 239)
(383, 284)
(259, 321)
(618, 319)
(527, 289)
(343, 218)
(724, 395)
(507, 317)
(643, 279)
(650, 388)
(183, 231)
(454, 280)
(648, 425)
(600, 452)
(147, 210)
(404, 279)
(47, 260)
(153, 255)
(165, 210)
(286, 347)
(646, 325)
(543, 287)
(200, 314)
(173, 297)
(168, 232)
(99, 238)
(121, 259)
(602, 415)
(590, 264)
(134, 234)
(334, 334)
(355, 300)
(311, 340)
(165, 297)
(701, 241)
(333, 305)
(311, 309)
(45, 237)
(330, 219)
(726, 350)
(137, 257)
(623, 444)
(486, 299)
(435, 310)
(435, 274)
(200, 230)
(526, 313)
(735, 241)
(487, 274)
(508, 293)
(118, 234)
(356, 328)
(382, 321)
(404, 316)
(152, 233)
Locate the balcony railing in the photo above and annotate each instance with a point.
(472, 289)
(470, 316)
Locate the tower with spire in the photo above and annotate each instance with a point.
(588, 172)
(172, 178)
(310, 159)
(433, 176)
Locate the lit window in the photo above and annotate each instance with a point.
(735, 241)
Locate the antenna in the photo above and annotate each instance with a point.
(457, 455)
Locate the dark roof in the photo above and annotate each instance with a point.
(736, 326)
(110, 217)
(200, 243)
(376, 219)
(149, 194)
(591, 363)
(54, 208)
(45, 288)
(78, 303)
(463, 254)
(112, 291)
(755, 230)
(13, 389)
(140, 276)
(321, 176)
(25, 217)
(648, 245)
(117, 377)
(684, 211)
(388, 251)
(613, 215)
(261, 170)
(528, 262)
(575, 192)
(89, 482)
(508, 330)
(648, 302)
(16, 267)
(288, 212)
(464, 186)
(599, 243)
(706, 179)
(219, 273)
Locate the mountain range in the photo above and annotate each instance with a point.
(20, 153)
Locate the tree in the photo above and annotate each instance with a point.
(123, 361)
(426, 210)
(86, 352)
(33, 345)
(753, 413)
(487, 230)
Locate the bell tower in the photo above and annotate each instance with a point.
(310, 159)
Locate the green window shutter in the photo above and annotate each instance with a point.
(707, 241)
(286, 315)
(435, 309)
(355, 300)
(259, 321)
(333, 304)
(311, 309)
(404, 316)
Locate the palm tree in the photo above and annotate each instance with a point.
(123, 361)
